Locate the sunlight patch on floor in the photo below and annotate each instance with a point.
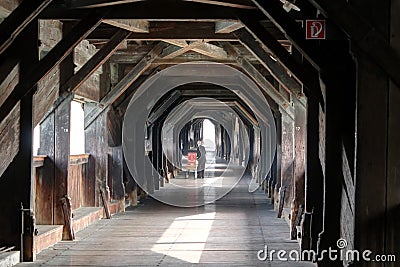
(186, 237)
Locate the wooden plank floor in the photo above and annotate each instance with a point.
(226, 233)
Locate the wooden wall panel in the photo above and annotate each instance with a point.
(75, 185)
(43, 195)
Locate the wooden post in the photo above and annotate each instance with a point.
(331, 156)
(24, 171)
(300, 161)
(62, 127)
(393, 197)
(371, 161)
(287, 158)
(96, 145)
(61, 159)
(278, 182)
(314, 179)
(67, 212)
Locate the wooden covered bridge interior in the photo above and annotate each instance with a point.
(335, 164)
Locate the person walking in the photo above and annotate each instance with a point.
(201, 159)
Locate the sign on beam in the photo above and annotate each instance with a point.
(315, 29)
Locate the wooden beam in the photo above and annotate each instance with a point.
(227, 26)
(16, 22)
(50, 61)
(129, 24)
(244, 4)
(154, 116)
(211, 50)
(308, 77)
(125, 83)
(276, 70)
(203, 48)
(292, 30)
(262, 82)
(95, 62)
(174, 51)
(159, 30)
(97, 3)
(7, 67)
(146, 10)
(368, 39)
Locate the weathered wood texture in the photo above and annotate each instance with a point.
(371, 173)
(393, 198)
(10, 80)
(115, 173)
(62, 117)
(50, 33)
(44, 186)
(44, 197)
(53, 58)
(96, 145)
(76, 185)
(9, 138)
(82, 54)
(314, 178)
(287, 166)
(278, 182)
(300, 162)
(18, 20)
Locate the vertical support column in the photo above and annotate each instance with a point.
(23, 169)
(312, 221)
(299, 166)
(287, 166)
(115, 158)
(371, 160)
(278, 183)
(62, 118)
(331, 154)
(62, 127)
(393, 197)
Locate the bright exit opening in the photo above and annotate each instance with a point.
(209, 135)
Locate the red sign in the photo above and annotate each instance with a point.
(191, 163)
(315, 29)
(192, 157)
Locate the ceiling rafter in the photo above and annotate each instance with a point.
(50, 61)
(292, 30)
(133, 25)
(303, 73)
(277, 71)
(244, 4)
(261, 80)
(95, 62)
(125, 83)
(227, 26)
(16, 22)
(97, 3)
